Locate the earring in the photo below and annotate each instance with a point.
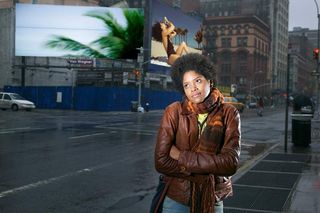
(211, 84)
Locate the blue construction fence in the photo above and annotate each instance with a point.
(93, 98)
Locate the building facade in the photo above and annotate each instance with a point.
(278, 20)
(274, 13)
(312, 35)
(301, 64)
(242, 53)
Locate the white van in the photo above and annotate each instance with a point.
(14, 101)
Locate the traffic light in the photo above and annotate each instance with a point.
(316, 53)
(137, 74)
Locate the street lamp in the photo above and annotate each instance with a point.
(318, 62)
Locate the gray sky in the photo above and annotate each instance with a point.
(303, 13)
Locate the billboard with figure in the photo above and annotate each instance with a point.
(78, 31)
(173, 34)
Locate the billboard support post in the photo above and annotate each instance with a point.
(23, 71)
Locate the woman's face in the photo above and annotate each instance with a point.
(196, 87)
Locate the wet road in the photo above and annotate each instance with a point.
(71, 161)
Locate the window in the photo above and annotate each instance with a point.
(242, 56)
(225, 80)
(243, 68)
(242, 41)
(226, 56)
(246, 29)
(225, 68)
(225, 42)
(238, 29)
(6, 97)
(223, 30)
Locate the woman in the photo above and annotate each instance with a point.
(198, 142)
(260, 106)
(164, 32)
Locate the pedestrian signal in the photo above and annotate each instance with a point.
(316, 53)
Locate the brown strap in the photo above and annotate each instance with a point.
(163, 195)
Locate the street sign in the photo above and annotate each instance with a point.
(140, 58)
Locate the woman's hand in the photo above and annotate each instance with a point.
(174, 152)
(166, 21)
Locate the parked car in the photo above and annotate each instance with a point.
(307, 109)
(232, 100)
(303, 104)
(15, 102)
(252, 105)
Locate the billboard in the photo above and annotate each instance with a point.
(187, 34)
(78, 31)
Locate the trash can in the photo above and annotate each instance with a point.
(134, 106)
(301, 129)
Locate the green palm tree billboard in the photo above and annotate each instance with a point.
(119, 42)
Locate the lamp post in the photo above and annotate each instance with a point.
(287, 105)
(318, 62)
(250, 91)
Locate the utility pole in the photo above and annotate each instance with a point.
(318, 63)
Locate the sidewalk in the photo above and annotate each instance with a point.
(279, 181)
(306, 194)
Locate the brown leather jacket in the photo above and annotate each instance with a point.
(179, 127)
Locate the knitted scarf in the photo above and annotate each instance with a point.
(214, 98)
(203, 186)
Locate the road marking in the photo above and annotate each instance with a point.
(85, 136)
(133, 130)
(103, 126)
(4, 132)
(14, 130)
(247, 144)
(137, 133)
(20, 128)
(115, 130)
(40, 183)
(71, 174)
